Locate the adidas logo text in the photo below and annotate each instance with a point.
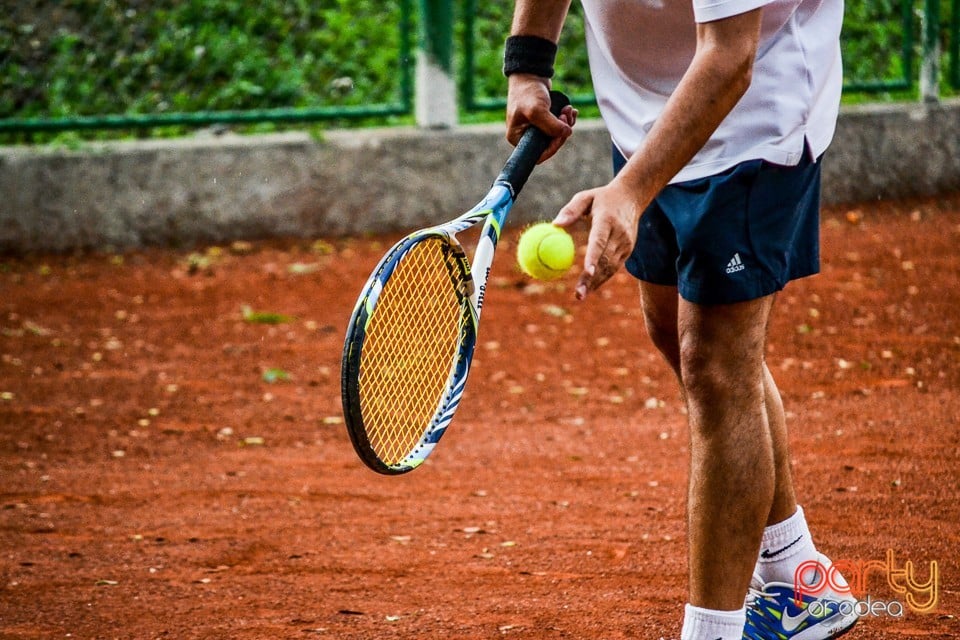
(735, 264)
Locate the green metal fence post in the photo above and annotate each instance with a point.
(955, 44)
(930, 61)
(436, 90)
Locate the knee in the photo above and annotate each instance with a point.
(714, 374)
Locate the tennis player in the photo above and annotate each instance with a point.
(720, 112)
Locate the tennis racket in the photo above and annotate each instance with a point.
(414, 328)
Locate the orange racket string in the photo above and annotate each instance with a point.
(410, 345)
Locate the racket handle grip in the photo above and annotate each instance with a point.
(532, 144)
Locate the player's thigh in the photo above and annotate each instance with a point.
(659, 304)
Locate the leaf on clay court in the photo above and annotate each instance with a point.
(350, 612)
(197, 262)
(303, 268)
(241, 247)
(36, 329)
(322, 248)
(401, 539)
(273, 374)
(555, 310)
(263, 317)
(391, 618)
(252, 441)
(333, 420)
(106, 583)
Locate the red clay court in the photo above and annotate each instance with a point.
(173, 468)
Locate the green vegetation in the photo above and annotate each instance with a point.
(107, 57)
(95, 56)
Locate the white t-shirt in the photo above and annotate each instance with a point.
(639, 49)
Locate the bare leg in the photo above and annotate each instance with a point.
(784, 499)
(732, 473)
(659, 304)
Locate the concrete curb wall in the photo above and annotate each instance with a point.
(213, 189)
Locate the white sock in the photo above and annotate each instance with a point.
(707, 624)
(783, 547)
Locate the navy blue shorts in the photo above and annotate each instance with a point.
(732, 237)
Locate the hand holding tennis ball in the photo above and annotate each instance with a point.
(545, 251)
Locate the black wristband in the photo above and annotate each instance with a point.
(529, 54)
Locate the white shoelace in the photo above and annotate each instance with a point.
(755, 593)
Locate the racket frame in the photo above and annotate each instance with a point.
(492, 211)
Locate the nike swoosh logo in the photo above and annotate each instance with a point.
(790, 623)
(772, 554)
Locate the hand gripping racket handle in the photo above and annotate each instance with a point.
(524, 158)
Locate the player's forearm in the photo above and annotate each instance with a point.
(715, 81)
(543, 18)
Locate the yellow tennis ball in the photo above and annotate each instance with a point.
(545, 251)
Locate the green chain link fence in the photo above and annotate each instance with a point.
(136, 65)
